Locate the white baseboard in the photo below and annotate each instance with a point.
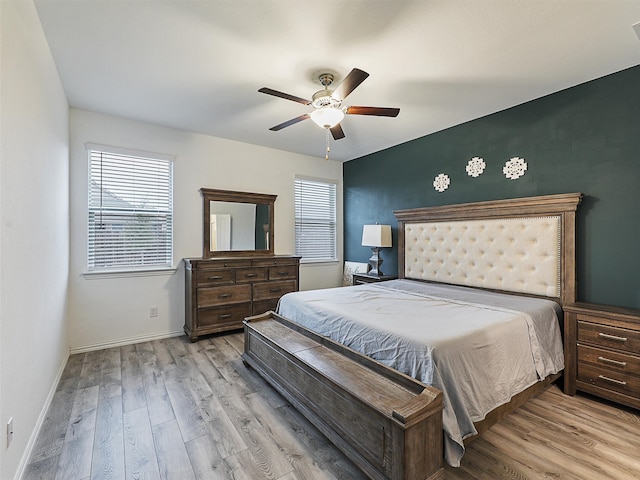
(36, 429)
(125, 341)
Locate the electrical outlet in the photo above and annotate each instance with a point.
(153, 311)
(9, 431)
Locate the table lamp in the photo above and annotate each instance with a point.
(376, 236)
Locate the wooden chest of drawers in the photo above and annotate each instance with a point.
(221, 292)
(602, 351)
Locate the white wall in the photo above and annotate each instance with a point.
(34, 228)
(106, 311)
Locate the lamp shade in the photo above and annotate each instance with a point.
(376, 235)
(327, 117)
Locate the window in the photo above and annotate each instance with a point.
(315, 205)
(130, 223)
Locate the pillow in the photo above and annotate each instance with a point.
(350, 268)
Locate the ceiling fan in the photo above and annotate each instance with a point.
(328, 109)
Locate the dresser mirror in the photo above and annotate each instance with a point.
(237, 223)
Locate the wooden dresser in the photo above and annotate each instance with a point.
(602, 351)
(221, 292)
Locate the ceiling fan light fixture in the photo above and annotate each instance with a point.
(327, 104)
(327, 117)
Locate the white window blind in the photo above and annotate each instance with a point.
(130, 212)
(315, 210)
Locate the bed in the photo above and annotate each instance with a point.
(494, 275)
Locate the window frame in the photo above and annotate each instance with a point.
(165, 210)
(333, 223)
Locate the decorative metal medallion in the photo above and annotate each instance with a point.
(514, 168)
(475, 167)
(441, 182)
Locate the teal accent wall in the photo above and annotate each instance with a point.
(583, 139)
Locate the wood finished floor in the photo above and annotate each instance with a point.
(169, 409)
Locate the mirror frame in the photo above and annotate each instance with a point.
(211, 195)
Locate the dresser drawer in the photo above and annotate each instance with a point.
(605, 377)
(213, 296)
(264, 291)
(253, 274)
(613, 361)
(270, 262)
(607, 336)
(215, 277)
(283, 271)
(224, 318)
(263, 306)
(224, 263)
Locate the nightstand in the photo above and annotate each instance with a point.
(602, 352)
(360, 278)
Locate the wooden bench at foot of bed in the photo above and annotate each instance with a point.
(388, 424)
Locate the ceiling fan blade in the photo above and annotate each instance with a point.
(288, 123)
(286, 96)
(337, 132)
(349, 84)
(378, 111)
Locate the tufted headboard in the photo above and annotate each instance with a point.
(524, 245)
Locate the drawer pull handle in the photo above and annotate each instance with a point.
(250, 275)
(283, 273)
(275, 290)
(225, 316)
(612, 362)
(612, 380)
(224, 295)
(615, 338)
(217, 277)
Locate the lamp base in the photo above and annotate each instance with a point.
(375, 261)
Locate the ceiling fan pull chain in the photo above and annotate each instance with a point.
(327, 139)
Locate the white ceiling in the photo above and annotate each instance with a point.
(198, 65)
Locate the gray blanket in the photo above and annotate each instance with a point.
(480, 348)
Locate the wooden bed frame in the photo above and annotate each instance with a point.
(389, 425)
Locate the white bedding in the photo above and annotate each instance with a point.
(479, 348)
